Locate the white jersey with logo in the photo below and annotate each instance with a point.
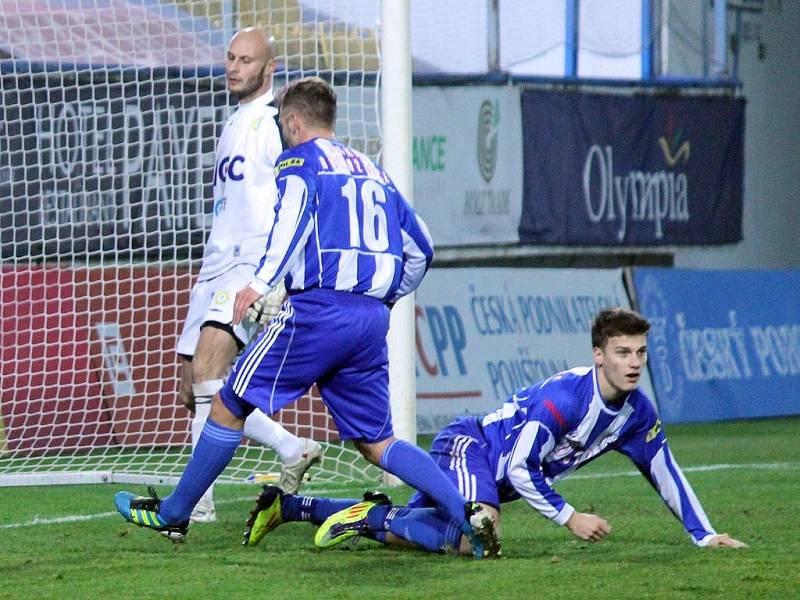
(244, 187)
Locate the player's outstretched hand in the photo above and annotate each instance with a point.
(588, 527)
(723, 540)
(244, 298)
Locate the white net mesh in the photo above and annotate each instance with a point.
(109, 116)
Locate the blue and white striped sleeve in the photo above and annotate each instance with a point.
(417, 249)
(293, 224)
(525, 472)
(546, 424)
(649, 451)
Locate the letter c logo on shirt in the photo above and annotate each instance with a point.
(232, 166)
(221, 170)
(227, 168)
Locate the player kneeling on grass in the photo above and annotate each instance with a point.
(332, 329)
(539, 436)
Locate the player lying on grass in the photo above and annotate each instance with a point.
(537, 437)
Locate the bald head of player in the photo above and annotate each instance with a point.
(249, 64)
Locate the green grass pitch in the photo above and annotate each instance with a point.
(66, 541)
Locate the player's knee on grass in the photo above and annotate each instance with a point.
(466, 547)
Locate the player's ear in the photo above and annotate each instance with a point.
(295, 121)
(598, 356)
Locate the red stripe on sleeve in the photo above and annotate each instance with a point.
(554, 411)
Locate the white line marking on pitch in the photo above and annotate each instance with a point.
(695, 469)
(78, 518)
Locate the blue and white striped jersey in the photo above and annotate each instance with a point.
(544, 432)
(342, 225)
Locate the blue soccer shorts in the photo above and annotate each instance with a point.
(461, 451)
(334, 339)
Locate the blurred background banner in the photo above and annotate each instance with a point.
(723, 344)
(627, 170)
(467, 154)
(146, 33)
(483, 334)
(107, 167)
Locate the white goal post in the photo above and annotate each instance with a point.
(397, 139)
(109, 116)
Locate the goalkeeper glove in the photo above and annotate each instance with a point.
(267, 306)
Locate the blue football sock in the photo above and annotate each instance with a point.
(214, 450)
(376, 517)
(426, 527)
(416, 468)
(311, 508)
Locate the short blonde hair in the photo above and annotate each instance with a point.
(313, 98)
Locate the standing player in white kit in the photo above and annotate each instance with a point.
(245, 195)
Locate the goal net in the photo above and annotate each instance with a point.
(109, 116)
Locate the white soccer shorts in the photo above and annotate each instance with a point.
(212, 300)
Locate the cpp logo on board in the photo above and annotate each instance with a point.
(488, 121)
(230, 167)
(440, 340)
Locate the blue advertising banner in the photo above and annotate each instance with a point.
(723, 344)
(631, 170)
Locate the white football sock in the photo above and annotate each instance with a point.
(260, 428)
